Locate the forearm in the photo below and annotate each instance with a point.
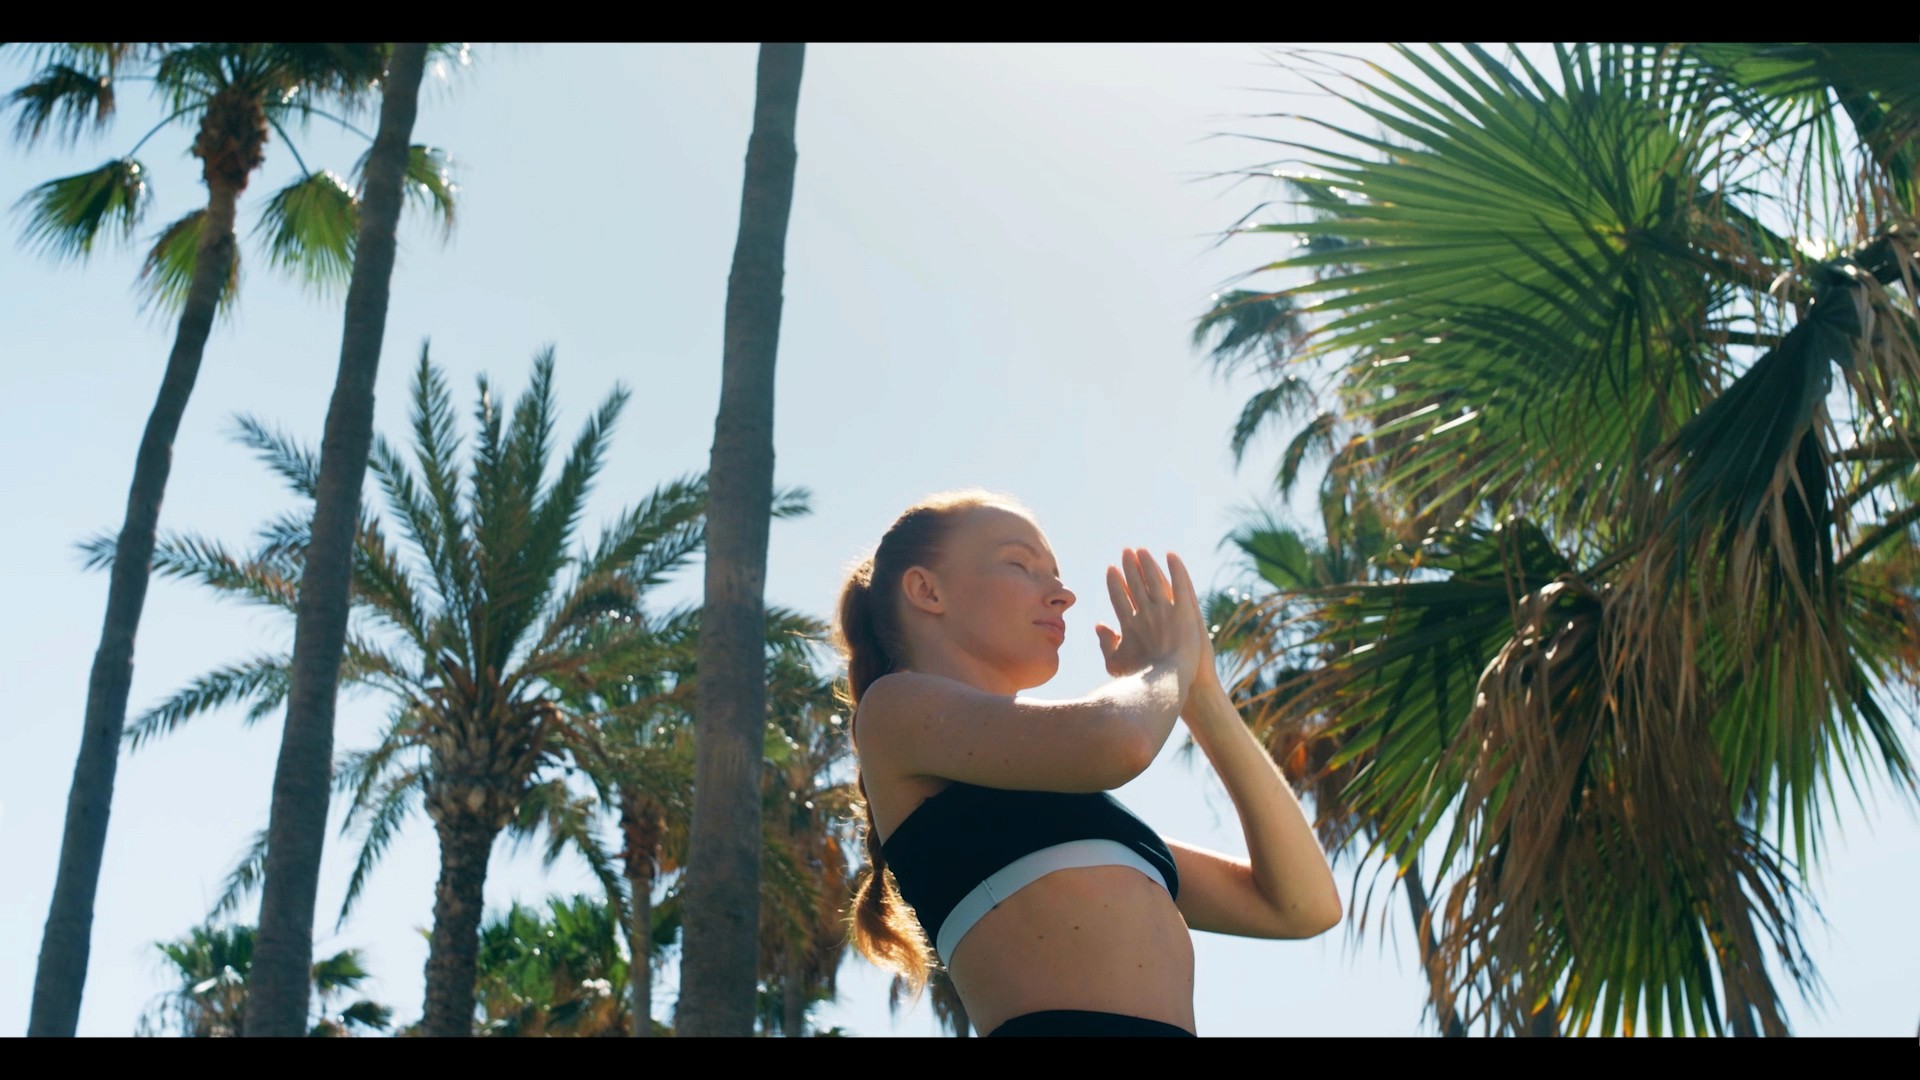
(1289, 867)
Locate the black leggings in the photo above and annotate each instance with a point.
(1073, 1023)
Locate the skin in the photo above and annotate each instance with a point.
(1106, 938)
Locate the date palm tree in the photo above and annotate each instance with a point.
(717, 979)
(1633, 339)
(231, 95)
(474, 630)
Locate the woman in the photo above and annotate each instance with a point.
(991, 841)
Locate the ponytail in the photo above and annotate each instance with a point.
(884, 930)
(867, 634)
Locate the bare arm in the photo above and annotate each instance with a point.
(923, 725)
(917, 725)
(1285, 889)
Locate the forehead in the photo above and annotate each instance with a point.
(993, 527)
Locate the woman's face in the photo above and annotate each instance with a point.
(999, 595)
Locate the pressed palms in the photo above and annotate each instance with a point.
(231, 95)
(1659, 607)
(717, 976)
(214, 965)
(474, 631)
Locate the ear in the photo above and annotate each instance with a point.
(922, 589)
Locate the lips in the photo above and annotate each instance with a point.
(1056, 627)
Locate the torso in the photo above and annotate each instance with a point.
(1100, 938)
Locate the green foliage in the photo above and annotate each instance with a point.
(64, 217)
(211, 964)
(1588, 331)
(229, 94)
(310, 226)
(555, 973)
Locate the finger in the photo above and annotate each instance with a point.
(1109, 641)
(1156, 578)
(1136, 585)
(1122, 601)
(1185, 594)
(1183, 590)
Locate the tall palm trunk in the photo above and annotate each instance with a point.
(793, 995)
(62, 972)
(297, 822)
(641, 826)
(718, 975)
(1423, 933)
(466, 841)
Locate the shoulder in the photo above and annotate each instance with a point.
(904, 694)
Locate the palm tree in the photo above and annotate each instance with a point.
(646, 779)
(231, 94)
(1259, 635)
(723, 896)
(298, 823)
(948, 1010)
(808, 818)
(1263, 637)
(476, 653)
(213, 966)
(1663, 601)
(560, 973)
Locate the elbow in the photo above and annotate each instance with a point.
(1115, 760)
(1310, 920)
(1326, 917)
(1132, 756)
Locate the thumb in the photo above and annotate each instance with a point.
(1109, 640)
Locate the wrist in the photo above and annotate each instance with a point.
(1208, 704)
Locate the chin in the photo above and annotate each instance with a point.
(1040, 672)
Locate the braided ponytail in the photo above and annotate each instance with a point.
(867, 634)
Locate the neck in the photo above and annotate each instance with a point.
(960, 666)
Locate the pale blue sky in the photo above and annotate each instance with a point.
(995, 257)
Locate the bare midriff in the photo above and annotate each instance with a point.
(1096, 938)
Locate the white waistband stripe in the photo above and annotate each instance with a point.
(1028, 869)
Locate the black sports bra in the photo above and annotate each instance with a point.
(967, 848)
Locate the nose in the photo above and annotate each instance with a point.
(1062, 598)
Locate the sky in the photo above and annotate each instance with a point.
(994, 262)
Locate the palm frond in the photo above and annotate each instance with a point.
(264, 681)
(397, 798)
(661, 530)
(1243, 325)
(166, 275)
(66, 100)
(242, 881)
(310, 227)
(65, 216)
(428, 182)
(299, 466)
(274, 583)
(568, 821)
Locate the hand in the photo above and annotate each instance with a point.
(1159, 619)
